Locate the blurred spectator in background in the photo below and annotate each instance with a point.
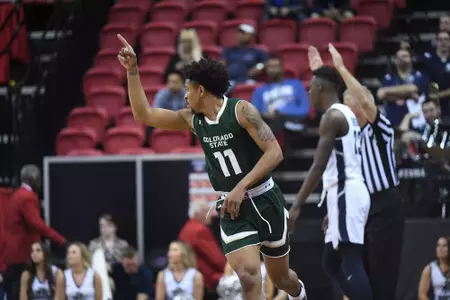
(188, 50)
(171, 97)
(436, 274)
(79, 281)
(403, 90)
(38, 280)
(333, 9)
(197, 234)
(108, 241)
(132, 279)
(180, 280)
(444, 23)
(437, 66)
(23, 226)
(283, 103)
(244, 62)
(285, 9)
(230, 288)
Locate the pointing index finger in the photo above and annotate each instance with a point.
(124, 41)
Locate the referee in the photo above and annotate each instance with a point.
(385, 224)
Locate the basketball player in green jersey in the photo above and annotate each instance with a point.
(240, 152)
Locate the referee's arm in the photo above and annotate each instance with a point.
(360, 93)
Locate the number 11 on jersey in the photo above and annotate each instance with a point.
(223, 165)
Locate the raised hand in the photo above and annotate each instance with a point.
(338, 62)
(127, 57)
(315, 61)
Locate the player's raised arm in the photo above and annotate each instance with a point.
(332, 124)
(250, 118)
(142, 112)
(359, 92)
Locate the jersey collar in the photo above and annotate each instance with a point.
(222, 109)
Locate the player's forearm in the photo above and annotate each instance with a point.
(138, 99)
(400, 91)
(311, 181)
(269, 161)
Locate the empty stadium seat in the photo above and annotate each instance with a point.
(145, 5)
(163, 141)
(174, 11)
(359, 30)
(108, 36)
(249, 9)
(136, 151)
(156, 56)
(261, 47)
(206, 31)
(274, 33)
(348, 51)
(212, 51)
(211, 10)
(151, 76)
(291, 72)
(229, 31)
(196, 149)
(318, 32)
(98, 78)
(295, 55)
(74, 138)
(85, 152)
(244, 91)
(151, 91)
(127, 13)
(110, 98)
(119, 138)
(107, 58)
(159, 34)
(126, 118)
(89, 117)
(380, 10)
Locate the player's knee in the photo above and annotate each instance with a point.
(248, 276)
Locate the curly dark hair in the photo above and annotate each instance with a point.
(329, 74)
(213, 75)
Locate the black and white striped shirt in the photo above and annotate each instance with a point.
(378, 159)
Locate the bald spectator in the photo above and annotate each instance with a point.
(23, 226)
(196, 233)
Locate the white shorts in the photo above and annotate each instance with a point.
(348, 208)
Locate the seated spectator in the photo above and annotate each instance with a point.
(79, 280)
(171, 97)
(230, 288)
(283, 103)
(285, 9)
(188, 50)
(180, 280)
(38, 280)
(334, 9)
(436, 274)
(196, 233)
(108, 240)
(403, 90)
(444, 23)
(244, 61)
(437, 66)
(132, 279)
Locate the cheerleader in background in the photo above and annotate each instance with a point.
(79, 281)
(38, 280)
(229, 287)
(180, 280)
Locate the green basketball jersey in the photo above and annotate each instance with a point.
(230, 152)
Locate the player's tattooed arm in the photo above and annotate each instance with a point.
(332, 125)
(250, 118)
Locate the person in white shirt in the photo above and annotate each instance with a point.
(38, 281)
(180, 280)
(79, 281)
(437, 274)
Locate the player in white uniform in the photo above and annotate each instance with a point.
(338, 159)
(79, 281)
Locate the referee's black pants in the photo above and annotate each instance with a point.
(383, 243)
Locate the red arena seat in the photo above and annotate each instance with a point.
(274, 33)
(211, 10)
(318, 32)
(119, 138)
(156, 56)
(229, 31)
(85, 152)
(137, 151)
(159, 34)
(89, 117)
(74, 138)
(244, 91)
(163, 141)
(110, 98)
(175, 11)
(98, 78)
(359, 30)
(206, 31)
(126, 118)
(249, 9)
